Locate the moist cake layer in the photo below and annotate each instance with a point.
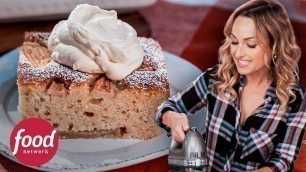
(83, 105)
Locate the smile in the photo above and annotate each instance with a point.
(243, 63)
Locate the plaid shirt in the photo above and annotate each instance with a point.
(264, 140)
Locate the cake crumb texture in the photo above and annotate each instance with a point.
(83, 105)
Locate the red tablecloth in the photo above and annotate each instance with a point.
(194, 33)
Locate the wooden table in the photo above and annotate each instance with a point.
(11, 36)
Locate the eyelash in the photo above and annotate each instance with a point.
(250, 46)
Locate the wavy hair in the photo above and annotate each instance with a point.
(273, 25)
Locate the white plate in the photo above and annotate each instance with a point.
(93, 154)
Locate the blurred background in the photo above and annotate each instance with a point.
(33, 10)
(17, 16)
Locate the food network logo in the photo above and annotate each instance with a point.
(34, 141)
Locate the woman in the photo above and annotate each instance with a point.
(256, 106)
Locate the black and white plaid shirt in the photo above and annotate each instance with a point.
(265, 139)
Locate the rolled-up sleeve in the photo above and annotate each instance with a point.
(188, 101)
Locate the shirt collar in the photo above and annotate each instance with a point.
(271, 93)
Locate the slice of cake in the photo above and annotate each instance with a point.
(92, 104)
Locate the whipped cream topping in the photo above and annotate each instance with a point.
(93, 40)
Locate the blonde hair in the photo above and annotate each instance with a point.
(272, 24)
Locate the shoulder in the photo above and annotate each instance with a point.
(210, 73)
(209, 76)
(212, 70)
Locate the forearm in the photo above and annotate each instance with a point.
(187, 102)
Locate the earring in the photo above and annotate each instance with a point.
(274, 58)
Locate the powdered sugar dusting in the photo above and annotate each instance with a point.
(153, 57)
(152, 74)
(53, 70)
(40, 37)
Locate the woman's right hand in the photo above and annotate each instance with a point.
(179, 124)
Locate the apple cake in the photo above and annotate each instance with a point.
(89, 105)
